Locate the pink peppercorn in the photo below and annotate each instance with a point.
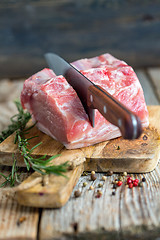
(119, 183)
(135, 184)
(129, 181)
(136, 180)
(98, 196)
(131, 185)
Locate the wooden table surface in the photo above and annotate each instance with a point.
(130, 214)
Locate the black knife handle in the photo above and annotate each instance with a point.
(115, 112)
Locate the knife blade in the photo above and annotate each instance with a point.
(94, 97)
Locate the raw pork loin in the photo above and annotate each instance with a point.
(59, 113)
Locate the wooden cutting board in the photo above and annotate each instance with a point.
(118, 155)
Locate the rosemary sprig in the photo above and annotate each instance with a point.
(38, 164)
(18, 121)
(41, 164)
(13, 177)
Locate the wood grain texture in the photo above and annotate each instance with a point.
(118, 155)
(54, 194)
(11, 213)
(149, 93)
(9, 91)
(119, 217)
(121, 155)
(128, 30)
(49, 147)
(139, 208)
(140, 155)
(84, 214)
(130, 214)
(154, 74)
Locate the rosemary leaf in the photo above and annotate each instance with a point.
(29, 128)
(13, 169)
(35, 147)
(42, 157)
(4, 176)
(27, 164)
(41, 164)
(18, 121)
(37, 169)
(53, 157)
(3, 184)
(50, 159)
(31, 138)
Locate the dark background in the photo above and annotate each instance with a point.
(128, 29)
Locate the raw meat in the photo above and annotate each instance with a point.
(106, 60)
(59, 113)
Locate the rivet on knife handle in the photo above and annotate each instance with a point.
(115, 112)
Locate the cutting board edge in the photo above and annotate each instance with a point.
(49, 199)
(104, 165)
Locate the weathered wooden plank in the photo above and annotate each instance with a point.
(139, 208)
(84, 214)
(51, 192)
(154, 74)
(16, 222)
(9, 91)
(149, 92)
(129, 211)
(128, 30)
(77, 210)
(51, 196)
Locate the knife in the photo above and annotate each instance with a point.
(94, 97)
